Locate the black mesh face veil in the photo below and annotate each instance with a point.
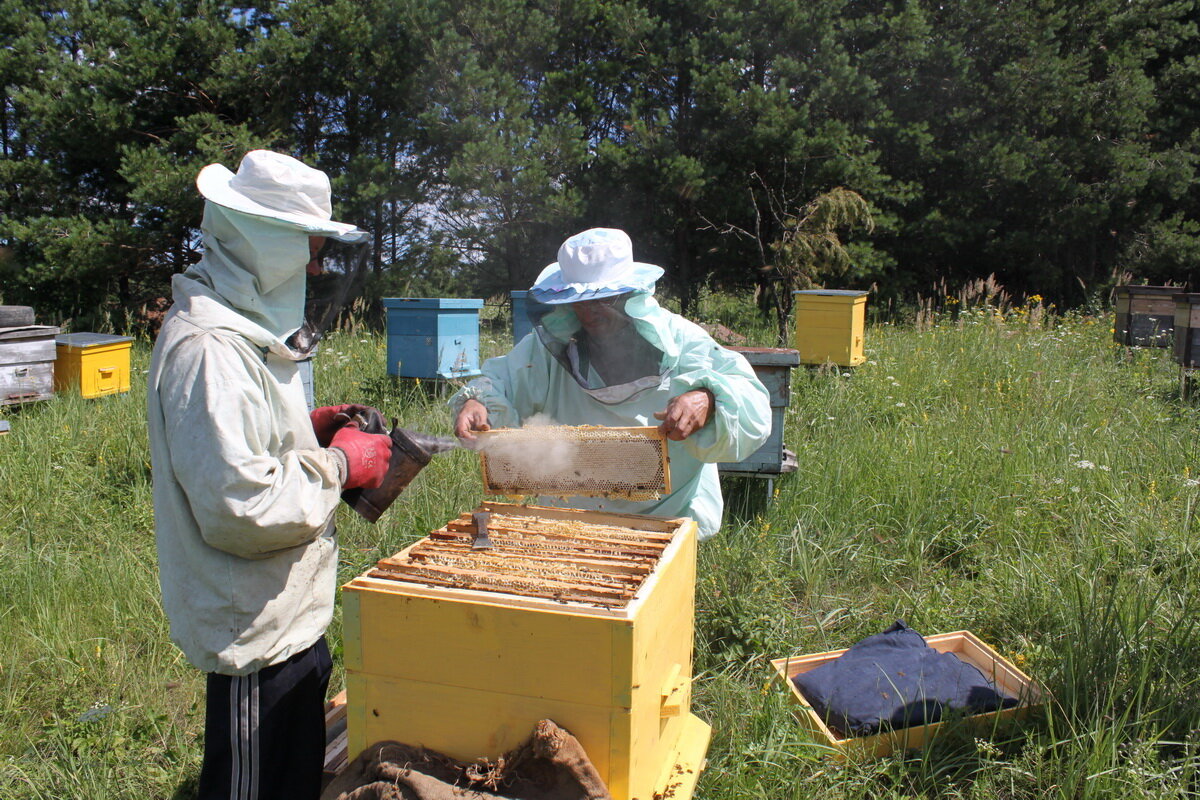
(335, 278)
(598, 343)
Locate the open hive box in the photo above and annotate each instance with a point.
(999, 671)
(582, 617)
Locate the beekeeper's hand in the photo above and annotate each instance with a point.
(367, 456)
(686, 413)
(472, 417)
(327, 420)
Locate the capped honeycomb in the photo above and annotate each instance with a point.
(565, 461)
(574, 560)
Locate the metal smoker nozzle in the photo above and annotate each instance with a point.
(411, 451)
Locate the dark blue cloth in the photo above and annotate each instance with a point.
(894, 680)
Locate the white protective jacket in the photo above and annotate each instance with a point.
(244, 497)
(528, 381)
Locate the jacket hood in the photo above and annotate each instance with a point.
(255, 265)
(200, 305)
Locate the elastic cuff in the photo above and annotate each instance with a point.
(339, 460)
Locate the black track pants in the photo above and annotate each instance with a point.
(264, 733)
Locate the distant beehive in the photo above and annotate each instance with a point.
(522, 304)
(1187, 329)
(433, 338)
(582, 617)
(26, 363)
(830, 324)
(1145, 315)
(564, 461)
(93, 364)
(773, 368)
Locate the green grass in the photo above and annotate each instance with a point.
(1026, 480)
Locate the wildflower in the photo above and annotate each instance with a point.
(1192, 482)
(899, 405)
(1085, 464)
(1103, 468)
(1075, 489)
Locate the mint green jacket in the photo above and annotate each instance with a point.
(529, 381)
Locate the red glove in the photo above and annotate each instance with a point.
(367, 456)
(328, 419)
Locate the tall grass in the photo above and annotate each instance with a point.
(1010, 473)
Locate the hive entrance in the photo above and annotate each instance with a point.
(563, 461)
(568, 560)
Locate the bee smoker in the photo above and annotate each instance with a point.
(411, 451)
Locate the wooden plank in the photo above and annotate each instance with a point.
(20, 383)
(682, 769)
(640, 522)
(1158, 304)
(455, 643)
(27, 351)
(407, 589)
(663, 636)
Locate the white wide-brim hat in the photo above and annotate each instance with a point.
(591, 265)
(277, 187)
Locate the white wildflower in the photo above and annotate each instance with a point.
(899, 405)
(1085, 464)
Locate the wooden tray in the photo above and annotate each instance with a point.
(1006, 677)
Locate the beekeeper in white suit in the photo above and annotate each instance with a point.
(607, 354)
(246, 480)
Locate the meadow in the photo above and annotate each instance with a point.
(1009, 471)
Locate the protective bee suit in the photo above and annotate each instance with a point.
(659, 357)
(243, 495)
(244, 491)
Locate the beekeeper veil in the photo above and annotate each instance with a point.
(591, 310)
(266, 228)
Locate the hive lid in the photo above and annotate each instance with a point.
(28, 331)
(566, 461)
(82, 340)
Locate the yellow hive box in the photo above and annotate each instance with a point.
(1003, 675)
(830, 325)
(468, 667)
(94, 363)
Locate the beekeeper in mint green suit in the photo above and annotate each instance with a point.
(246, 479)
(607, 354)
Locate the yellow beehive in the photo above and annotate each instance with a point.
(830, 325)
(585, 618)
(965, 645)
(94, 363)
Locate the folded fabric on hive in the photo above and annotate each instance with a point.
(895, 680)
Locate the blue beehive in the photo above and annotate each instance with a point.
(773, 366)
(522, 304)
(432, 337)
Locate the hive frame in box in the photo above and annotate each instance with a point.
(1003, 674)
(621, 448)
(468, 673)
